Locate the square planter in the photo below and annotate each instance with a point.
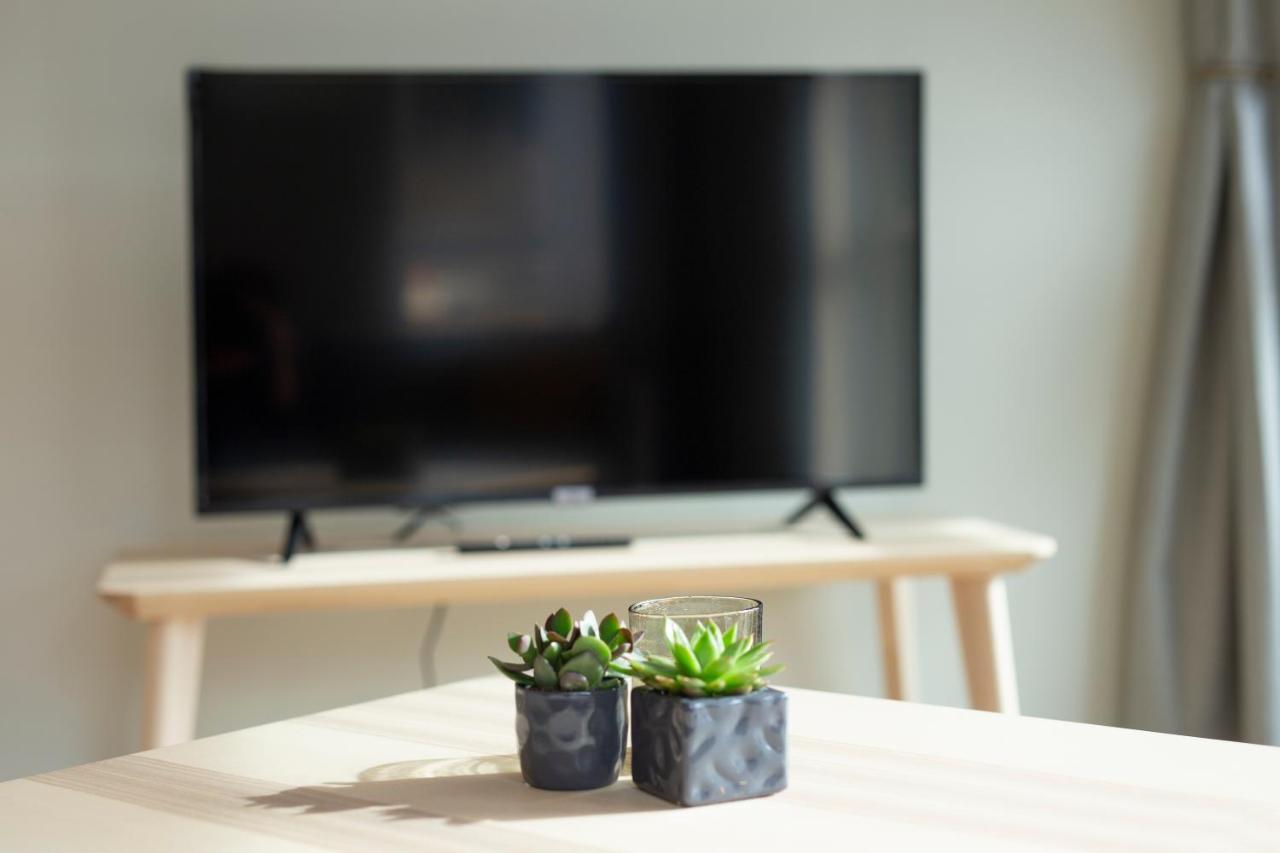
(709, 750)
(571, 741)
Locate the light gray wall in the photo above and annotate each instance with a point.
(1050, 140)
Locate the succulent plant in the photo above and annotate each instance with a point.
(709, 664)
(566, 655)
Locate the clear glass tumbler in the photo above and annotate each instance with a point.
(687, 611)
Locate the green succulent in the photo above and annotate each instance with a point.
(709, 664)
(566, 655)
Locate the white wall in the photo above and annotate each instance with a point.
(1050, 141)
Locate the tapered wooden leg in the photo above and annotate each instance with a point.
(175, 657)
(982, 619)
(897, 638)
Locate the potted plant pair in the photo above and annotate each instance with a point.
(706, 726)
(571, 710)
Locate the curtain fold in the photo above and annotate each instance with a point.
(1203, 650)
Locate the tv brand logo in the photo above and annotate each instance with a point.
(573, 494)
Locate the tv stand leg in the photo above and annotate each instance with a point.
(825, 496)
(982, 618)
(895, 605)
(297, 533)
(175, 657)
(897, 638)
(420, 516)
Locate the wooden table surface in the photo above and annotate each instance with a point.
(412, 577)
(435, 770)
(177, 595)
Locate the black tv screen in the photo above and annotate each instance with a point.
(421, 288)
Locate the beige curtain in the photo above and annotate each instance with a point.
(1203, 651)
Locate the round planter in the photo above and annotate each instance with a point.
(709, 750)
(571, 741)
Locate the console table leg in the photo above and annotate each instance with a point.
(982, 619)
(897, 637)
(175, 656)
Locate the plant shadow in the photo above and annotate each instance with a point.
(457, 790)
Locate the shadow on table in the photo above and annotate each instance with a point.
(459, 790)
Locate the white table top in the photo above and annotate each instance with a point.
(435, 769)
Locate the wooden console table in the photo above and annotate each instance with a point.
(175, 597)
(435, 770)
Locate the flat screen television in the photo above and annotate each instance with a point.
(421, 288)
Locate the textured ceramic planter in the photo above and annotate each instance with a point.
(570, 741)
(699, 751)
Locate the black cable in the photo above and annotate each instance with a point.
(430, 642)
(435, 621)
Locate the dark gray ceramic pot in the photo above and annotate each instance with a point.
(573, 740)
(699, 751)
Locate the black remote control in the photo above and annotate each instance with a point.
(542, 543)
